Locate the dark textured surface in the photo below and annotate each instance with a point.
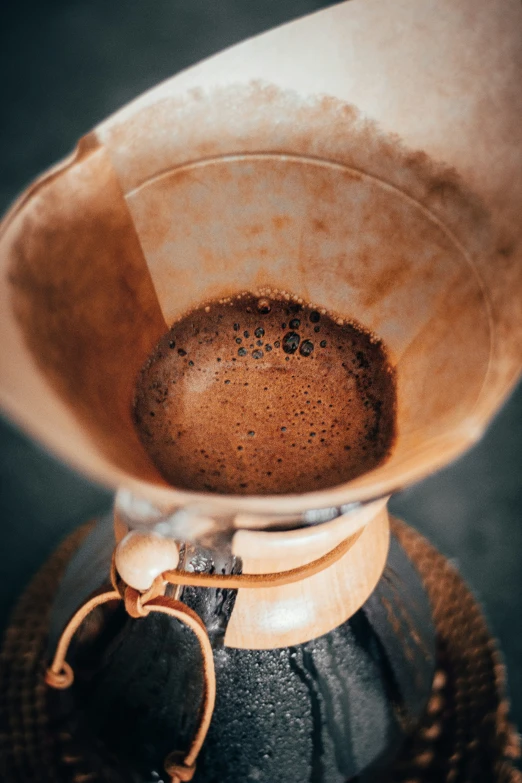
(472, 512)
(66, 65)
(464, 734)
(320, 711)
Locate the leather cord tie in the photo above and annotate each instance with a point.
(140, 604)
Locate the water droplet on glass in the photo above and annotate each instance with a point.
(306, 348)
(291, 342)
(200, 563)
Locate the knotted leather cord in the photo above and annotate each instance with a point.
(139, 604)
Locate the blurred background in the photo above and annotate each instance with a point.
(65, 65)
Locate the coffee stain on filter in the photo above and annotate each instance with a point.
(84, 300)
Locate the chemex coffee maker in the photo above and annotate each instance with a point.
(366, 161)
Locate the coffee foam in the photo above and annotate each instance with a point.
(265, 395)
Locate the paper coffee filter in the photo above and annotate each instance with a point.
(367, 159)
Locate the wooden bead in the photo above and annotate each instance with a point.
(141, 557)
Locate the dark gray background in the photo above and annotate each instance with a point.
(65, 65)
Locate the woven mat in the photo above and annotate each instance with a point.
(465, 736)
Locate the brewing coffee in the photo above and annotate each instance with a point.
(264, 395)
